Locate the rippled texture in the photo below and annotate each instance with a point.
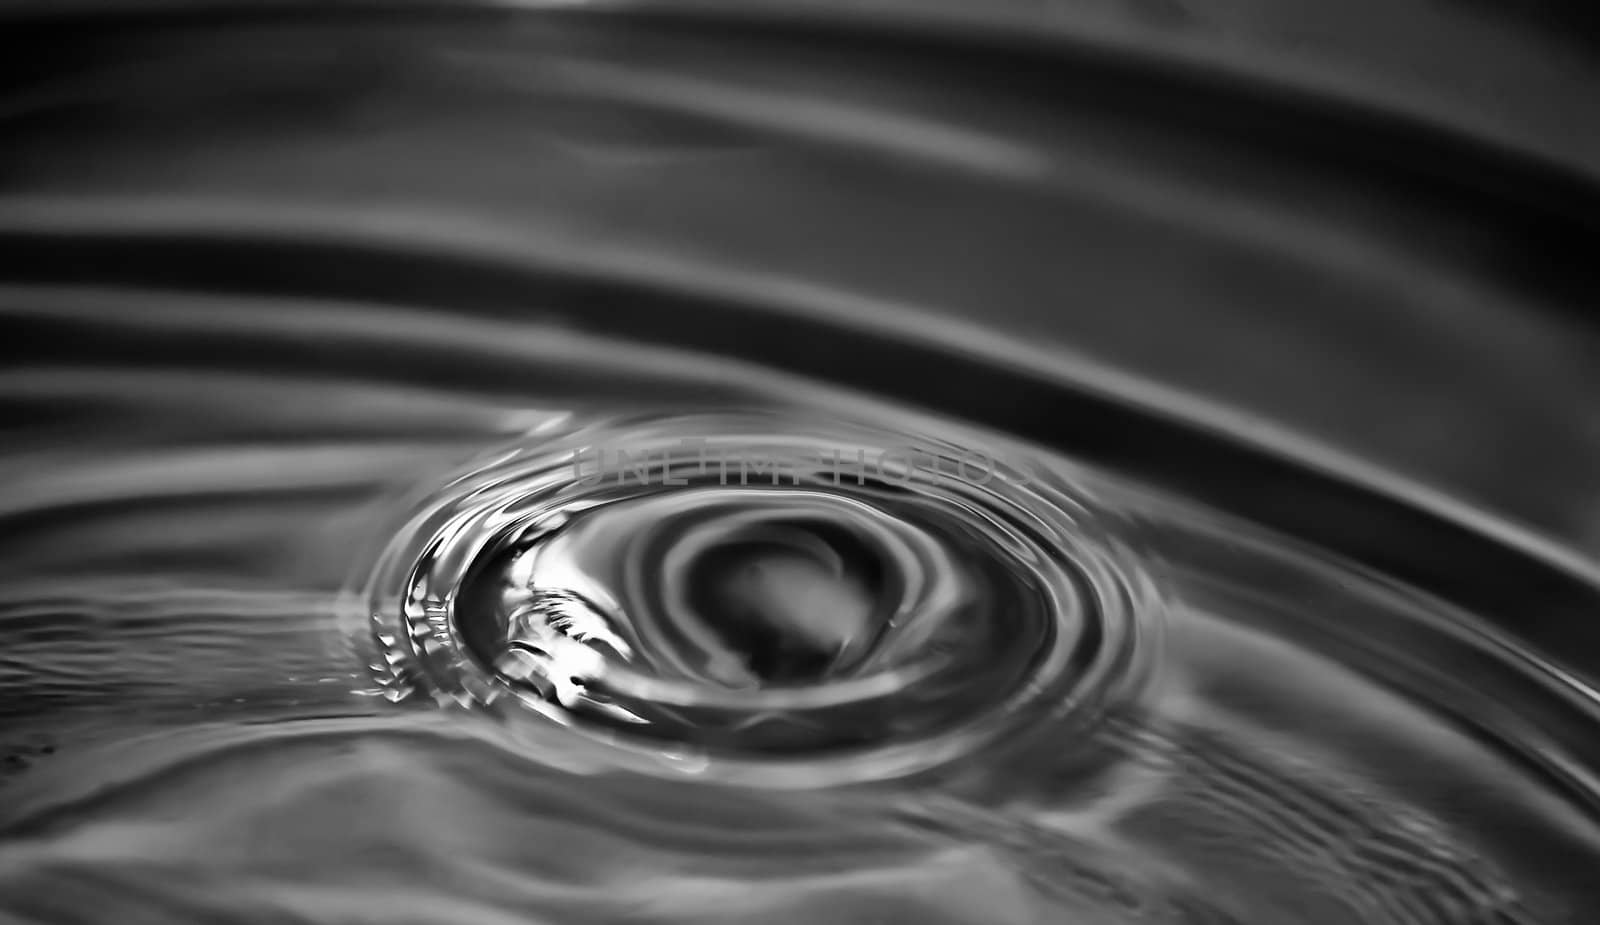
(184, 670)
(735, 585)
(1167, 612)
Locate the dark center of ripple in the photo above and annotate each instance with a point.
(799, 600)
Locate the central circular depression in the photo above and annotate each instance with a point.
(761, 588)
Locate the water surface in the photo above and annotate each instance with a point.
(333, 589)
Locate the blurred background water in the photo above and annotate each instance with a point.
(1283, 310)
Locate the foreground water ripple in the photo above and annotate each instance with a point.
(766, 585)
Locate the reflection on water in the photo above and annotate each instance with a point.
(363, 564)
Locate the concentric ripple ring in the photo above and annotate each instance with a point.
(762, 596)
